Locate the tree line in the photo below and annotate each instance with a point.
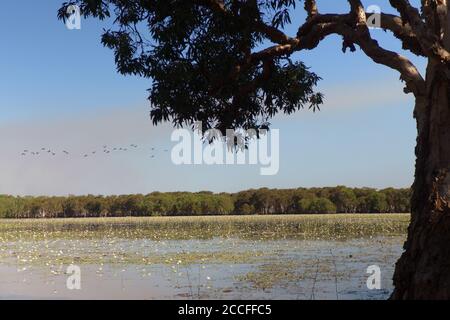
(250, 202)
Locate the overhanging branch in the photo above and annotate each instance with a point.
(428, 37)
(352, 27)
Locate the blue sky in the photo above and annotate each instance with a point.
(59, 89)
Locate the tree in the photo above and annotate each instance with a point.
(344, 199)
(321, 206)
(93, 207)
(376, 202)
(262, 201)
(207, 64)
(304, 204)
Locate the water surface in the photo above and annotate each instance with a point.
(296, 257)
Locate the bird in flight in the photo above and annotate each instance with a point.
(106, 150)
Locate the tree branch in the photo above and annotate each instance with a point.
(314, 30)
(390, 22)
(429, 41)
(311, 8)
(409, 73)
(352, 27)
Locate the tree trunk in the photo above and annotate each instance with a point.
(423, 271)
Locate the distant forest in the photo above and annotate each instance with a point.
(250, 202)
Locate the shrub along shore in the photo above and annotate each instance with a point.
(251, 202)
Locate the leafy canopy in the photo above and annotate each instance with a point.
(198, 54)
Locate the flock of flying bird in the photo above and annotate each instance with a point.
(106, 150)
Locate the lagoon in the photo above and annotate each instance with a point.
(243, 257)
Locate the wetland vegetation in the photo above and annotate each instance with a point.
(291, 256)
